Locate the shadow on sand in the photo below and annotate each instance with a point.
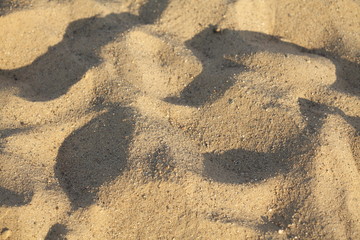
(53, 73)
(13, 199)
(94, 154)
(218, 52)
(57, 232)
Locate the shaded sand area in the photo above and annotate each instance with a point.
(179, 119)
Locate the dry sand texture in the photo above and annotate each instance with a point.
(179, 119)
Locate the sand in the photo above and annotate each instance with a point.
(179, 119)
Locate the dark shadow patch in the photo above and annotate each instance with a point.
(10, 6)
(152, 10)
(53, 73)
(4, 133)
(57, 232)
(94, 154)
(240, 166)
(220, 52)
(10, 198)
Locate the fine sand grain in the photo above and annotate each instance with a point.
(179, 119)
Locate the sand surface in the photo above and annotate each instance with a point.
(179, 119)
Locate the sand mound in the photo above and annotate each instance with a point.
(164, 119)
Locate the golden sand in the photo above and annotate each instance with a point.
(179, 119)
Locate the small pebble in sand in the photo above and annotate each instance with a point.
(216, 29)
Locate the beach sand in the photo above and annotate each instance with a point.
(179, 119)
